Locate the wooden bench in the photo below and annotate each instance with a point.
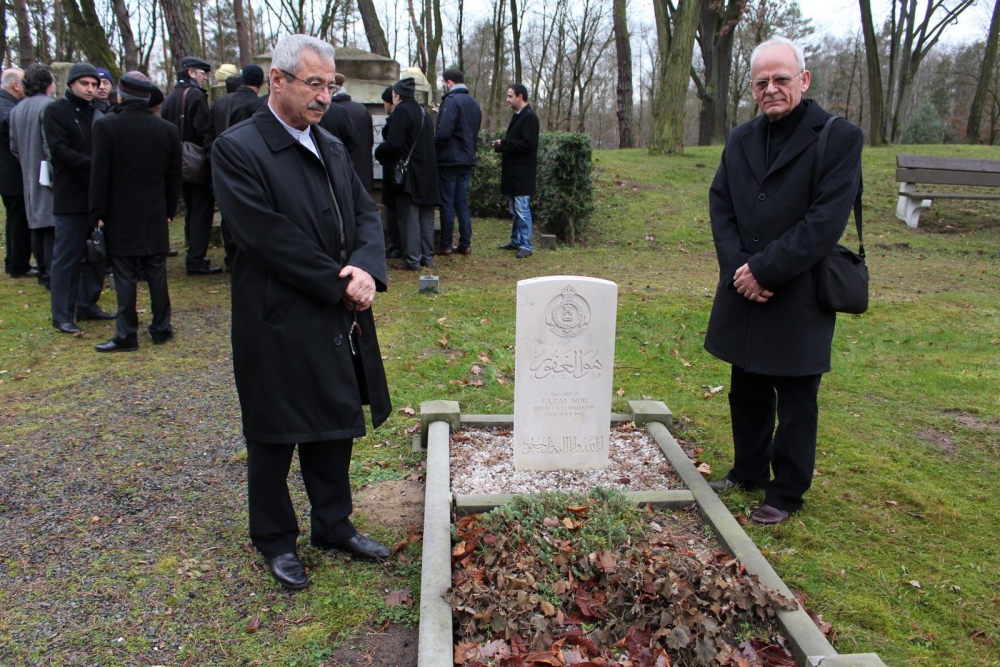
(914, 169)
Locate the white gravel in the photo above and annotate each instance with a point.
(482, 462)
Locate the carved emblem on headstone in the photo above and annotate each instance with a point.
(568, 314)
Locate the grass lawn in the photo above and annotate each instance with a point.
(122, 507)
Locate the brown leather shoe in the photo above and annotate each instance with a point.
(768, 516)
(403, 267)
(444, 251)
(464, 251)
(723, 484)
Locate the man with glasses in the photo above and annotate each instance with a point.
(187, 108)
(309, 257)
(771, 228)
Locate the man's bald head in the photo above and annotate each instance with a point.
(11, 80)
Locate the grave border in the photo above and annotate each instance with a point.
(436, 633)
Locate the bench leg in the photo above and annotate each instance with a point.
(908, 210)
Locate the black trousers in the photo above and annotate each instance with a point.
(199, 205)
(274, 528)
(76, 283)
(17, 236)
(126, 277)
(788, 451)
(43, 240)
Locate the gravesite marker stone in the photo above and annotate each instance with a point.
(564, 370)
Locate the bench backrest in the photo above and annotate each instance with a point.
(947, 170)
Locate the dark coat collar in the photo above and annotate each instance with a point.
(278, 138)
(805, 134)
(78, 102)
(8, 96)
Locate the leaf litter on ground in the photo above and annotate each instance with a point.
(589, 579)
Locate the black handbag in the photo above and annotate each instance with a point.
(97, 251)
(841, 276)
(399, 171)
(195, 164)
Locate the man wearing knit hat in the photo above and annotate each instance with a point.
(67, 122)
(187, 108)
(410, 138)
(133, 195)
(101, 100)
(248, 100)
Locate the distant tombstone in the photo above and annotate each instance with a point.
(564, 369)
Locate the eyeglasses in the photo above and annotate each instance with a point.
(316, 86)
(781, 81)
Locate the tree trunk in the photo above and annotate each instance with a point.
(242, 35)
(460, 36)
(985, 79)
(373, 28)
(676, 52)
(4, 43)
(25, 47)
(515, 30)
(716, 33)
(182, 29)
(623, 91)
(128, 39)
(89, 35)
(435, 32)
(876, 102)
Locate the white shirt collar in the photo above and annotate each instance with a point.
(303, 137)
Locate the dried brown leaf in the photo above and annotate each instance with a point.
(253, 625)
(396, 598)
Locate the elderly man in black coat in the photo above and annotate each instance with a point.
(518, 167)
(133, 196)
(771, 229)
(309, 259)
(17, 235)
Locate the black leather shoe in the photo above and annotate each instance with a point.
(288, 571)
(114, 346)
(30, 273)
(67, 327)
(508, 246)
(360, 548)
(171, 253)
(95, 315)
(444, 251)
(723, 484)
(205, 271)
(769, 516)
(160, 339)
(523, 253)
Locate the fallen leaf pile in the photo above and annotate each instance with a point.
(533, 593)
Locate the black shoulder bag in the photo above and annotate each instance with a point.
(842, 276)
(195, 164)
(399, 171)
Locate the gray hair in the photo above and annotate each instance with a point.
(286, 54)
(10, 77)
(779, 41)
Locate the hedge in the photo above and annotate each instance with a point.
(564, 194)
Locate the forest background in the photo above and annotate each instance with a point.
(656, 74)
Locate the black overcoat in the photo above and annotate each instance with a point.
(68, 134)
(771, 219)
(519, 154)
(134, 190)
(10, 169)
(362, 153)
(337, 122)
(421, 181)
(296, 377)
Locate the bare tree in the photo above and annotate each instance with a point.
(716, 34)
(25, 46)
(623, 89)
(434, 33)
(131, 55)
(515, 33)
(373, 28)
(242, 34)
(178, 15)
(90, 36)
(972, 131)
(876, 99)
(675, 30)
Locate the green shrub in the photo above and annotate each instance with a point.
(564, 195)
(925, 126)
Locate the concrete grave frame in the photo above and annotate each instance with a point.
(437, 639)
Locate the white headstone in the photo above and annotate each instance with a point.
(564, 371)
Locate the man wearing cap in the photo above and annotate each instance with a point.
(455, 138)
(410, 136)
(17, 235)
(247, 100)
(308, 261)
(101, 101)
(133, 195)
(67, 122)
(187, 108)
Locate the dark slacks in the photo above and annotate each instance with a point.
(76, 283)
(126, 277)
(274, 528)
(416, 231)
(393, 247)
(43, 240)
(788, 451)
(454, 188)
(17, 236)
(199, 205)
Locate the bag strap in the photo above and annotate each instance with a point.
(820, 151)
(183, 100)
(421, 129)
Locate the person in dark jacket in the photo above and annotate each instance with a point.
(17, 235)
(308, 262)
(393, 248)
(770, 230)
(337, 121)
(248, 100)
(361, 117)
(67, 123)
(410, 136)
(133, 197)
(194, 124)
(518, 166)
(455, 138)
